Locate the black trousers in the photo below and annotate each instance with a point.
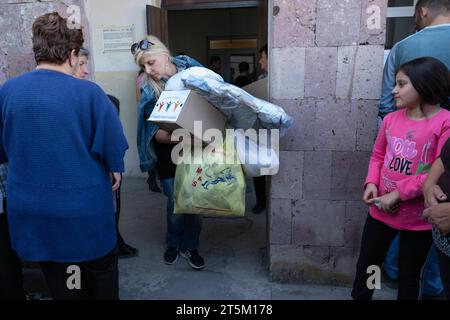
(260, 190)
(376, 239)
(444, 267)
(99, 279)
(11, 279)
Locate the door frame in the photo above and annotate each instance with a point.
(211, 5)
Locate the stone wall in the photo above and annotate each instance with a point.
(326, 68)
(16, 20)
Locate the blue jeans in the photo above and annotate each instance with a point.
(183, 230)
(431, 277)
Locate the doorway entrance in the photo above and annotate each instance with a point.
(227, 31)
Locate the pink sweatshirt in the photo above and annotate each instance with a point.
(401, 158)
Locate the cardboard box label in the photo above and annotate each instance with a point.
(169, 105)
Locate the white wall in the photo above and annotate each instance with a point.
(115, 71)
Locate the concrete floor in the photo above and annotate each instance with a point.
(234, 251)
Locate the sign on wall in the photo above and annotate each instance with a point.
(118, 38)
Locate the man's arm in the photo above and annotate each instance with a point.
(431, 191)
(387, 101)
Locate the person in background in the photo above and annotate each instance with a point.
(215, 64)
(125, 250)
(263, 62)
(82, 72)
(435, 190)
(260, 182)
(244, 75)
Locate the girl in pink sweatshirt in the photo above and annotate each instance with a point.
(408, 142)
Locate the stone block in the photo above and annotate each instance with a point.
(366, 125)
(368, 72)
(3, 67)
(335, 126)
(317, 175)
(9, 26)
(286, 263)
(349, 170)
(19, 61)
(345, 71)
(300, 136)
(287, 184)
(28, 14)
(280, 221)
(294, 23)
(355, 217)
(319, 223)
(290, 263)
(338, 22)
(320, 75)
(343, 265)
(287, 73)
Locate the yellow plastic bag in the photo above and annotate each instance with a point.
(210, 188)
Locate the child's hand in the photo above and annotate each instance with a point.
(370, 193)
(389, 203)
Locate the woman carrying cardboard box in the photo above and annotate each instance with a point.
(155, 146)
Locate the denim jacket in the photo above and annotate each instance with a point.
(146, 130)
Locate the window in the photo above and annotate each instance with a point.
(400, 21)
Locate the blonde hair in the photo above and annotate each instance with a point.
(157, 48)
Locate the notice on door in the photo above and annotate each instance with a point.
(118, 38)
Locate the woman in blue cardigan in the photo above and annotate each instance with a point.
(62, 138)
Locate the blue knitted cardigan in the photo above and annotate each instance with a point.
(62, 137)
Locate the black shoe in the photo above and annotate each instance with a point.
(258, 208)
(171, 255)
(126, 251)
(440, 296)
(194, 259)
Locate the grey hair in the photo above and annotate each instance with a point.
(83, 52)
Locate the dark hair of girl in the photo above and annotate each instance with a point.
(431, 79)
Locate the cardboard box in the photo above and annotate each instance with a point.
(180, 108)
(258, 89)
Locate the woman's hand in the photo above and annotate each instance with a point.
(389, 203)
(115, 180)
(439, 215)
(370, 192)
(163, 136)
(432, 195)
